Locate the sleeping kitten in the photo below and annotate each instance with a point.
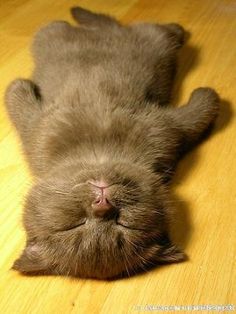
(100, 140)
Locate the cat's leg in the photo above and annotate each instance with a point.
(23, 104)
(97, 20)
(177, 31)
(52, 30)
(165, 68)
(160, 44)
(165, 36)
(195, 118)
(49, 39)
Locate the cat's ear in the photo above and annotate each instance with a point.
(171, 254)
(31, 260)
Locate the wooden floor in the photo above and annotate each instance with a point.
(204, 186)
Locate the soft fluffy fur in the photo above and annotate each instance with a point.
(96, 109)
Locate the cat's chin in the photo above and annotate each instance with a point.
(125, 259)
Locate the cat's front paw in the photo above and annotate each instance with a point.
(206, 92)
(19, 90)
(22, 102)
(206, 99)
(178, 31)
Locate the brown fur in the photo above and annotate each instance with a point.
(96, 108)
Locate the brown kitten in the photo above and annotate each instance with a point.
(100, 138)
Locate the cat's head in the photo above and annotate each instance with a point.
(102, 221)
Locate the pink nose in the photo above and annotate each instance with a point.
(101, 204)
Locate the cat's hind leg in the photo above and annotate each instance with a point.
(49, 40)
(87, 18)
(159, 45)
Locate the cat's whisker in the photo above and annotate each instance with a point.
(125, 261)
(142, 262)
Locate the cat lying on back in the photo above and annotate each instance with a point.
(100, 139)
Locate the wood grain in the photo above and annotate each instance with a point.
(204, 188)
